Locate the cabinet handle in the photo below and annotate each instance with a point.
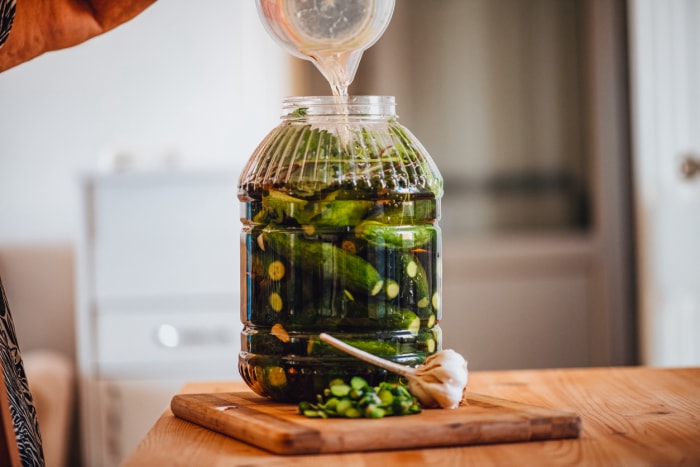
(171, 337)
(690, 167)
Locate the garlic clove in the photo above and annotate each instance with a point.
(441, 380)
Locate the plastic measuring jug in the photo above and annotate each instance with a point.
(332, 34)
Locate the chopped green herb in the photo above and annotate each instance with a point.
(359, 399)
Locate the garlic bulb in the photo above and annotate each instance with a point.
(439, 382)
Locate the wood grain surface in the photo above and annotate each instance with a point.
(280, 428)
(630, 416)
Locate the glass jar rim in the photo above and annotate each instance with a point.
(302, 106)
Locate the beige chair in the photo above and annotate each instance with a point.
(39, 287)
(51, 377)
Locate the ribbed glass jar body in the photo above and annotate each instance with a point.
(340, 235)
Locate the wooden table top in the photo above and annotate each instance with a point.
(631, 416)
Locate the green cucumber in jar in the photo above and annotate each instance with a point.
(382, 234)
(280, 205)
(380, 315)
(317, 347)
(356, 274)
(404, 211)
(340, 213)
(404, 321)
(413, 345)
(415, 289)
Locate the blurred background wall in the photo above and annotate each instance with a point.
(200, 85)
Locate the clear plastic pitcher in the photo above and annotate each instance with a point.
(333, 34)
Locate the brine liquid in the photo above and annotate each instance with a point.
(338, 67)
(366, 271)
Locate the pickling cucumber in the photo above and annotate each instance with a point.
(280, 205)
(386, 235)
(340, 212)
(415, 289)
(354, 273)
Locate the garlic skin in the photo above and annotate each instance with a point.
(441, 380)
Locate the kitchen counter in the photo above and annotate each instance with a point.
(630, 415)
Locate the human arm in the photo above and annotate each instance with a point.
(44, 25)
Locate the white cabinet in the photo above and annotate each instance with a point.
(164, 234)
(158, 298)
(524, 304)
(123, 411)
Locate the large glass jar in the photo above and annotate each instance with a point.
(340, 207)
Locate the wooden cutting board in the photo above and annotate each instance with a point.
(281, 429)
